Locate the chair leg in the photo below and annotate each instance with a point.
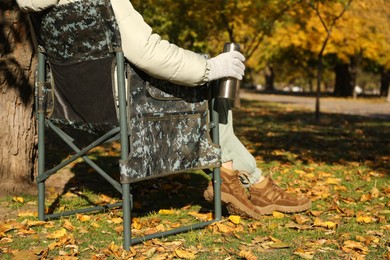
(126, 216)
(40, 107)
(217, 194)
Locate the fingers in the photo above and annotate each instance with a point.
(237, 55)
(228, 64)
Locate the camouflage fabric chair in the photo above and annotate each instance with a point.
(81, 83)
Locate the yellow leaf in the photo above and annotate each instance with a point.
(326, 224)
(364, 219)
(248, 255)
(279, 245)
(18, 199)
(95, 225)
(235, 219)
(68, 225)
(26, 214)
(136, 224)
(350, 245)
(365, 197)
(277, 214)
(83, 218)
(201, 216)
(32, 223)
(310, 176)
(166, 212)
(6, 240)
(223, 228)
(57, 234)
(300, 172)
(304, 254)
(334, 181)
(184, 254)
(117, 220)
(374, 192)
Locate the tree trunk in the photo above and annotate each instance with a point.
(345, 83)
(18, 130)
(385, 83)
(269, 78)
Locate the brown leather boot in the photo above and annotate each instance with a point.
(233, 194)
(271, 197)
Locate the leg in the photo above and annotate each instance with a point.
(239, 164)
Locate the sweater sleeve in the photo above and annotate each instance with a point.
(35, 5)
(155, 56)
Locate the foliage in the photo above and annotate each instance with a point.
(287, 34)
(341, 163)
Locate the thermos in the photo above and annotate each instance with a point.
(227, 86)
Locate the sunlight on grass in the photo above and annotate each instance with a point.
(341, 162)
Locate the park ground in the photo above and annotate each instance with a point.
(341, 161)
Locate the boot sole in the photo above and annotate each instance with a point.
(233, 205)
(285, 209)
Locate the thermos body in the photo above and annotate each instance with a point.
(227, 86)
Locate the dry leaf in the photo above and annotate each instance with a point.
(374, 192)
(248, 255)
(277, 214)
(166, 212)
(83, 218)
(57, 234)
(350, 245)
(364, 219)
(304, 254)
(68, 225)
(184, 254)
(326, 224)
(279, 245)
(235, 219)
(334, 181)
(201, 216)
(117, 220)
(18, 199)
(23, 214)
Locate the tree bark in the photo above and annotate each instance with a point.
(18, 130)
(269, 78)
(344, 82)
(385, 83)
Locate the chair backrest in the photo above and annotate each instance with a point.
(80, 40)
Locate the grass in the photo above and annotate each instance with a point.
(341, 162)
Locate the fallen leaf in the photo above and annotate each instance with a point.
(279, 245)
(57, 234)
(277, 214)
(83, 218)
(18, 199)
(248, 255)
(166, 212)
(235, 219)
(326, 224)
(350, 245)
(364, 219)
(117, 220)
(68, 225)
(184, 254)
(374, 192)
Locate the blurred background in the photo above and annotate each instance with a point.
(338, 47)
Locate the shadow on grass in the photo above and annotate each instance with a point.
(173, 191)
(335, 138)
(272, 133)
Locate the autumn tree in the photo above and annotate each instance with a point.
(360, 38)
(17, 133)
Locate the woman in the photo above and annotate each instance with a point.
(164, 60)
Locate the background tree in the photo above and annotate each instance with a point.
(17, 132)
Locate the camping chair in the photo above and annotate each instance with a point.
(84, 82)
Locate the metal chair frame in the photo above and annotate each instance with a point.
(121, 131)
